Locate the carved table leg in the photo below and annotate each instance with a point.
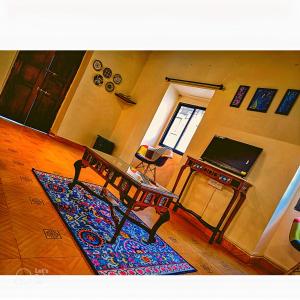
(229, 206)
(163, 218)
(105, 196)
(233, 213)
(77, 165)
(120, 225)
(178, 178)
(104, 187)
(184, 186)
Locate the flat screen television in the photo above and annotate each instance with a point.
(231, 155)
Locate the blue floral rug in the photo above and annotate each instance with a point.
(89, 220)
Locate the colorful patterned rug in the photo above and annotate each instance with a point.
(90, 223)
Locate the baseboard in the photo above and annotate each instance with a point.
(236, 251)
(66, 141)
(266, 264)
(260, 261)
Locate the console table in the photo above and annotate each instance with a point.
(239, 186)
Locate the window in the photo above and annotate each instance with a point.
(182, 127)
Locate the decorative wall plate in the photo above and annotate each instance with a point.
(117, 78)
(109, 86)
(98, 79)
(97, 64)
(107, 72)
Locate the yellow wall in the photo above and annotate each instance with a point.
(93, 110)
(7, 59)
(278, 135)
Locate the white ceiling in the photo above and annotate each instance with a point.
(191, 91)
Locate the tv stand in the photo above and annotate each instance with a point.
(239, 186)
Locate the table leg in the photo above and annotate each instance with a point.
(233, 213)
(175, 208)
(77, 165)
(120, 225)
(229, 206)
(163, 218)
(178, 177)
(104, 187)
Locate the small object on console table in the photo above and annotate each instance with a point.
(239, 186)
(125, 98)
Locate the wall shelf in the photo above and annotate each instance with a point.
(125, 98)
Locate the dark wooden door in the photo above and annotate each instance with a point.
(20, 90)
(37, 86)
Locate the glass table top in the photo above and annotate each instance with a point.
(129, 170)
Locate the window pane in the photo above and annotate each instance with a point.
(190, 130)
(177, 126)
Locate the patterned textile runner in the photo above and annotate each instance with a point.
(91, 225)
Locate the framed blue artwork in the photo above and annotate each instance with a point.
(262, 99)
(287, 102)
(239, 96)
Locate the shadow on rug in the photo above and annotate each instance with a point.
(90, 223)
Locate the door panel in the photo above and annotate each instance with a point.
(53, 85)
(37, 58)
(37, 86)
(15, 108)
(65, 62)
(56, 83)
(29, 74)
(43, 110)
(20, 90)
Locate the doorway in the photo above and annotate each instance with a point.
(37, 85)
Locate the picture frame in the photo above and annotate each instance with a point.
(287, 102)
(239, 96)
(262, 99)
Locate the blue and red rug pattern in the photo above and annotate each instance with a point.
(89, 220)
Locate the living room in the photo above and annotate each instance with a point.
(89, 110)
(149, 138)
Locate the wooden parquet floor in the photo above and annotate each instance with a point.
(26, 214)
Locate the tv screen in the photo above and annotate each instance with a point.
(231, 155)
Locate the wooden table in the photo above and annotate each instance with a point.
(239, 186)
(137, 191)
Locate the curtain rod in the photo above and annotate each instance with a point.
(210, 85)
